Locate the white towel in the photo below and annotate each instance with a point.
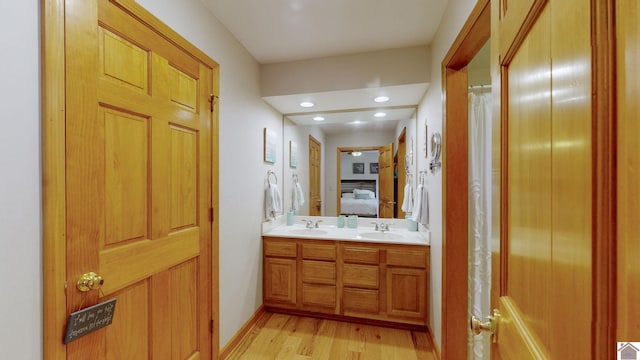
(420, 212)
(272, 201)
(297, 197)
(407, 203)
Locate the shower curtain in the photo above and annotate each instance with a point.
(479, 217)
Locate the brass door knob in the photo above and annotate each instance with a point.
(89, 281)
(491, 325)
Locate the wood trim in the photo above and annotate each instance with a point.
(604, 171)
(53, 179)
(242, 332)
(473, 35)
(215, 226)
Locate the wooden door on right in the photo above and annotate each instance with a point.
(546, 252)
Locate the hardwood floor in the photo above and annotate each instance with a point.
(279, 336)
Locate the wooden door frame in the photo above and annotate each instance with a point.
(53, 171)
(455, 174)
(401, 180)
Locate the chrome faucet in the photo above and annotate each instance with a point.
(310, 224)
(382, 226)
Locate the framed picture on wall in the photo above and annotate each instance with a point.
(373, 168)
(293, 154)
(358, 168)
(270, 145)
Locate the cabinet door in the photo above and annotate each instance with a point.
(279, 281)
(407, 293)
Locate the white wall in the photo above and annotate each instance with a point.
(243, 115)
(20, 182)
(430, 110)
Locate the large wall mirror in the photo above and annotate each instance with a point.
(349, 162)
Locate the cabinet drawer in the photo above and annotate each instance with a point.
(361, 301)
(319, 252)
(279, 248)
(360, 255)
(319, 295)
(319, 272)
(362, 276)
(407, 258)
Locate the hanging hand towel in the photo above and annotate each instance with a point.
(272, 201)
(420, 212)
(407, 203)
(297, 197)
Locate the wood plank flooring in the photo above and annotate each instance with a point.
(279, 336)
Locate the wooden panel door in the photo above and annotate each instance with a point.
(546, 276)
(139, 184)
(315, 167)
(385, 181)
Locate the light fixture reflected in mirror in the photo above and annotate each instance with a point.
(356, 153)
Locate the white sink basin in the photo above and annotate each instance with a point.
(378, 235)
(308, 232)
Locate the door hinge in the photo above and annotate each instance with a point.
(212, 101)
(210, 214)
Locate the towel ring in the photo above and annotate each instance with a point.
(269, 173)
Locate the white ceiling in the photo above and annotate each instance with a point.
(289, 30)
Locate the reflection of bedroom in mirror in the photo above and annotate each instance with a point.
(358, 184)
(351, 130)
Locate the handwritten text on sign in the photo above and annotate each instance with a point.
(88, 320)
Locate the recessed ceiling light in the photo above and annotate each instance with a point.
(307, 104)
(318, 118)
(357, 122)
(356, 153)
(380, 114)
(381, 99)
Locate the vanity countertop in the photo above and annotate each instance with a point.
(328, 230)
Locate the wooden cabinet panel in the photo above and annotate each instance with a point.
(361, 255)
(407, 258)
(279, 248)
(319, 252)
(384, 282)
(280, 281)
(361, 301)
(406, 293)
(319, 272)
(319, 295)
(361, 276)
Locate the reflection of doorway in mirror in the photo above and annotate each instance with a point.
(315, 200)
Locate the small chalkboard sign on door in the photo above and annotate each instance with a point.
(86, 321)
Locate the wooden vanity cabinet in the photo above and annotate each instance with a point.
(407, 284)
(386, 282)
(319, 292)
(280, 273)
(300, 275)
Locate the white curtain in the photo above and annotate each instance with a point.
(479, 217)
